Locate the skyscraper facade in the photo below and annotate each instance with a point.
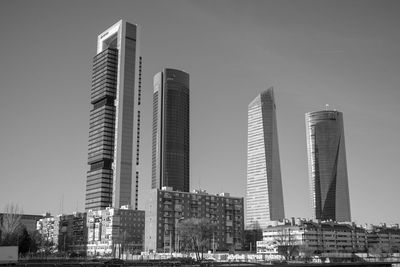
(170, 140)
(114, 130)
(264, 195)
(327, 166)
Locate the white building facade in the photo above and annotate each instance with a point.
(314, 238)
(112, 231)
(264, 195)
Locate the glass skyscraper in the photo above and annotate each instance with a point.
(264, 196)
(114, 130)
(170, 140)
(327, 166)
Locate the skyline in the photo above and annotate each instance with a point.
(313, 53)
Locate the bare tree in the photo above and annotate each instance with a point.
(196, 234)
(10, 225)
(306, 252)
(379, 250)
(286, 243)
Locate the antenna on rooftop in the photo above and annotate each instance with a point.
(59, 210)
(199, 181)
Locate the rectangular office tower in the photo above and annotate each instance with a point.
(170, 144)
(264, 196)
(114, 131)
(327, 168)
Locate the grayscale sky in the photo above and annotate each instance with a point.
(342, 53)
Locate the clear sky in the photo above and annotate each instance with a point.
(342, 53)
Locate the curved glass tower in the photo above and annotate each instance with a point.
(327, 166)
(264, 196)
(170, 144)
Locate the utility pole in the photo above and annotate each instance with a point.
(170, 241)
(177, 233)
(213, 243)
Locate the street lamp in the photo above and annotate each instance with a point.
(213, 242)
(177, 233)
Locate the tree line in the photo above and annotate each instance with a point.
(14, 233)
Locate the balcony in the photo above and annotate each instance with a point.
(166, 195)
(229, 207)
(167, 201)
(168, 208)
(238, 207)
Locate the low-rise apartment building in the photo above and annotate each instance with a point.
(166, 208)
(114, 231)
(47, 228)
(67, 232)
(72, 232)
(314, 237)
(387, 238)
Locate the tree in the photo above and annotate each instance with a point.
(251, 236)
(10, 225)
(306, 252)
(47, 247)
(25, 241)
(379, 250)
(287, 243)
(42, 244)
(64, 242)
(196, 235)
(36, 240)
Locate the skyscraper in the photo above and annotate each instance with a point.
(170, 146)
(327, 166)
(264, 196)
(114, 131)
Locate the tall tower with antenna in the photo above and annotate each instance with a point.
(327, 166)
